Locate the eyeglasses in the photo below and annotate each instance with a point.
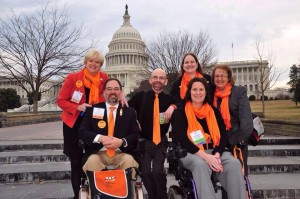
(158, 78)
(113, 89)
(221, 76)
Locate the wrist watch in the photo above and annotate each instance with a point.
(124, 143)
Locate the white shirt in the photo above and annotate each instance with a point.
(107, 114)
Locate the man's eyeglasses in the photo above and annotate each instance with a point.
(158, 78)
(221, 76)
(113, 89)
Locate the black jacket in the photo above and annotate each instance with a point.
(126, 126)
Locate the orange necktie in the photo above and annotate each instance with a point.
(111, 126)
(156, 122)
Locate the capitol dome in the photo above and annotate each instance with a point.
(126, 30)
(126, 56)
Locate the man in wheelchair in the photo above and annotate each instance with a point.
(199, 128)
(110, 133)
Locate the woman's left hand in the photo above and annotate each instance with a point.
(123, 100)
(219, 162)
(214, 162)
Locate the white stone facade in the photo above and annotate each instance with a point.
(49, 89)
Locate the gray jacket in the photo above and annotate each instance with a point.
(240, 115)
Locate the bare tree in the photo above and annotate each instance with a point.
(167, 50)
(268, 75)
(35, 47)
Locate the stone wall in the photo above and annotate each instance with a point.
(280, 127)
(7, 120)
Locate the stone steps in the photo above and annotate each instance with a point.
(275, 164)
(14, 157)
(56, 155)
(31, 145)
(279, 140)
(263, 186)
(274, 150)
(279, 185)
(34, 172)
(34, 166)
(40, 171)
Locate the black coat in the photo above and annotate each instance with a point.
(126, 126)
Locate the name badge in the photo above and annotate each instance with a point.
(76, 97)
(197, 138)
(98, 113)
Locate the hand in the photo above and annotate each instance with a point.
(214, 162)
(168, 114)
(82, 107)
(111, 142)
(123, 100)
(106, 140)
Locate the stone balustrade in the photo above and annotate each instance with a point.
(281, 127)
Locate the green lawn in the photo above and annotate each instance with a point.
(278, 109)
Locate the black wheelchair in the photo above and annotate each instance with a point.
(136, 182)
(186, 188)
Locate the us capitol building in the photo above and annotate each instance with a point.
(127, 61)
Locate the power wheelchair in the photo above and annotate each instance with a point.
(136, 183)
(186, 188)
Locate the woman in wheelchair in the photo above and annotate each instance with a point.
(199, 128)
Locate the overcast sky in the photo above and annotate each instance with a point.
(227, 22)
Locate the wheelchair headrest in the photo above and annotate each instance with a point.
(258, 126)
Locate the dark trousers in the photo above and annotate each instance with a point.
(76, 174)
(154, 178)
(74, 152)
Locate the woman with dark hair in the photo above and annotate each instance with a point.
(190, 68)
(199, 128)
(234, 105)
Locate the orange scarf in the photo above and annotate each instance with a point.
(224, 107)
(93, 83)
(206, 111)
(184, 82)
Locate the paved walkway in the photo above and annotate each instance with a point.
(42, 131)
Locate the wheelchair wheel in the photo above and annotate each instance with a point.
(84, 193)
(175, 193)
(139, 193)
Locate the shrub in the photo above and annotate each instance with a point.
(252, 97)
(280, 96)
(287, 97)
(265, 97)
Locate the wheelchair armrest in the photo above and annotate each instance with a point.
(181, 153)
(139, 149)
(178, 151)
(174, 153)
